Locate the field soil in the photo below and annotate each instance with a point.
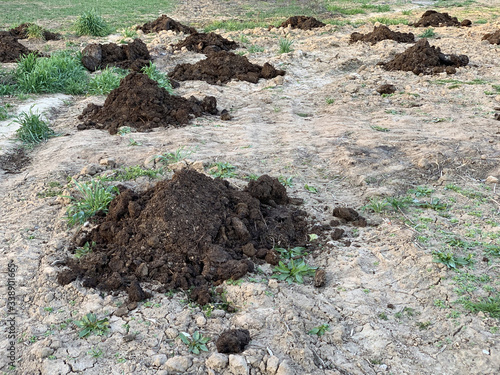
(334, 140)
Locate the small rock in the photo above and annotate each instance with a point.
(386, 89)
(44, 352)
(150, 162)
(273, 283)
(272, 365)
(225, 115)
(172, 333)
(238, 364)
(129, 337)
(178, 364)
(121, 311)
(218, 314)
(108, 162)
(249, 250)
(491, 180)
(285, 369)
(337, 234)
(159, 359)
(319, 278)
(90, 170)
(279, 80)
(217, 361)
(201, 321)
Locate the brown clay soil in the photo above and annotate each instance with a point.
(380, 33)
(133, 55)
(165, 23)
(10, 49)
(233, 341)
(426, 59)
(302, 22)
(221, 67)
(206, 43)
(437, 19)
(141, 104)
(493, 38)
(21, 32)
(205, 232)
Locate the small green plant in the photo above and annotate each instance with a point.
(95, 197)
(329, 101)
(421, 191)
(490, 305)
(244, 39)
(311, 189)
(175, 156)
(133, 142)
(376, 205)
(255, 48)
(4, 111)
(222, 170)
(429, 33)
(450, 260)
(383, 316)
(380, 129)
(35, 32)
(84, 250)
(33, 129)
(293, 271)
(293, 253)
(105, 81)
(128, 32)
(286, 181)
(285, 45)
(134, 172)
(91, 23)
(90, 324)
(424, 325)
(153, 73)
(195, 343)
(124, 130)
(399, 203)
(319, 330)
(95, 352)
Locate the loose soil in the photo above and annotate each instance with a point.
(165, 23)
(133, 56)
(422, 58)
(15, 160)
(186, 232)
(436, 19)
(10, 49)
(141, 104)
(493, 38)
(233, 341)
(380, 33)
(206, 43)
(221, 67)
(21, 32)
(301, 22)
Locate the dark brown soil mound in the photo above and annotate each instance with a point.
(132, 56)
(493, 38)
(206, 43)
(302, 22)
(141, 104)
(10, 49)
(422, 58)
(21, 32)
(165, 23)
(221, 67)
(189, 231)
(380, 33)
(436, 19)
(233, 341)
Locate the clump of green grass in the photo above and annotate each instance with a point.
(33, 129)
(152, 72)
(84, 250)
(132, 173)
(222, 170)
(429, 33)
(490, 305)
(108, 79)
(389, 21)
(95, 198)
(4, 111)
(35, 32)
(451, 260)
(293, 253)
(90, 324)
(285, 45)
(92, 24)
(174, 156)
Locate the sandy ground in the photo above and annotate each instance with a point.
(318, 125)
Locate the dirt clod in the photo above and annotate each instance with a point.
(188, 231)
(380, 33)
(350, 215)
(165, 23)
(493, 38)
(206, 43)
(233, 341)
(301, 22)
(141, 104)
(319, 278)
(221, 67)
(134, 56)
(436, 19)
(386, 89)
(10, 49)
(424, 59)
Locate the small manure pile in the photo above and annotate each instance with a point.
(165, 23)
(436, 19)
(10, 49)
(141, 104)
(133, 56)
(380, 33)
(22, 32)
(206, 43)
(190, 231)
(301, 22)
(422, 58)
(493, 38)
(221, 67)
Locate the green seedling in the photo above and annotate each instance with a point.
(195, 343)
(294, 271)
(379, 128)
(124, 130)
(376, 205)
(255, 48)
(84, 250)
(153, 73)
(33, 129)
(286, 181)
(429, 33)
(293, 253)
(91, 23)
(450, 260)
(222, 170)
(95, 352)
(175, 156)
(285, 45)
(90, 324)
(311, 189)
(319, 330)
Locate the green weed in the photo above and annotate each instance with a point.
(294, 271)
(91, 23)
(90, 324)
(428, 33)
(490, 305)
(379, 128)
(293, 253)
(285, 45)
(319, 330)
(4, 111)
(33, 129)
(84, 250)
(376, 205)
(153, 73)
(35, 32)
(311, 189)
(286, 181)
(255, 48)
(451, 260)
(108, 79)
(222, 170)
(132, 173)
(195, 343)
(175, 156)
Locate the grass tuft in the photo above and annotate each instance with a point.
(33, 129)
(109, 79)
(285, 45)
(153, 73)
(92, 24)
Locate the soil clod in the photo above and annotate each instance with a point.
(10, 49)
(424, 59)
(206, 43)
(386, 89)
(221, 67)
(436, 19)
(134, 56)
(380, 33)
(493, 38)
(233, 341)
(141, 104)
(165, 23)
(301, 22)
(350, 215)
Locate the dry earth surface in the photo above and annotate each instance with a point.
(389, 307)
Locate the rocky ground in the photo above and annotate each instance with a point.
(324, 126)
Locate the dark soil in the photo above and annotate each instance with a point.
(21, 32)
(436, 19)
(206, 43)
(302, 22)
(386, 89)
(10, 49)
(233, 341)
(349, 215)
(493, 38)
(221, 67)
(422, 58)
(141, 104)
(189, 231)
(165, 23)
(134, 56)
(380, 33)
(14, 161)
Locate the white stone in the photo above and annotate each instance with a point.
(178, 364)
(491, 180)
(285, 369)
(217, 361)
(238, 364)
(272, 365)
(159, 359)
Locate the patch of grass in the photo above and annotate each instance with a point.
(319, 330)
(89, 324)
(379, 128)
(33, 129)
(293, 271)
(490, 305)
(285, 45)
(234, 25)
(35, 32)
(91, 23)
(152, 72)
(286, 181)
(311, 189)
(428, 33)
(222, 170)
(376, 205)
(95, 352)
(175, 156)
(255, 48)
(195, 343)
(84, 250)
(128, 32)
(132, 173)
(389, 21)
(4, 111)
(108, 79)
(293, 253)
(329, 101)
(95, 198)
(451, 260)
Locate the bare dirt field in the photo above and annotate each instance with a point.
(335, 142)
